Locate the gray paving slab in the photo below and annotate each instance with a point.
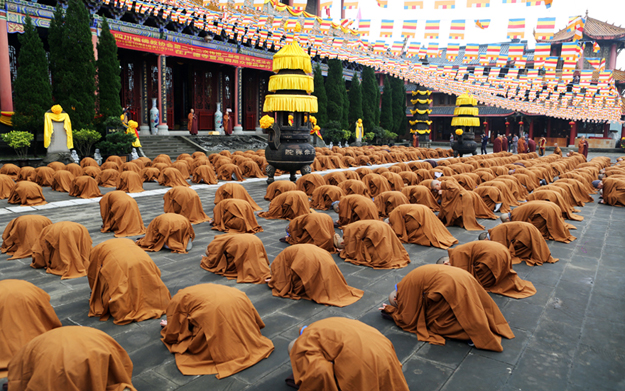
(569, 336)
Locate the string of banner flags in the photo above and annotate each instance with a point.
(494, 78)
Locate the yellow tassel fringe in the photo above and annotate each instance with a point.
(417, 111)
(292, 56)
(474, 111)
(421, 101)
(421, 92)
(291, 82)
(465, 121)
(417, 121)
(466, 100)
(291, 103)
(426, 131)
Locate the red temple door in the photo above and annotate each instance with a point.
(204, 96)
(250, 99)
(131, 88)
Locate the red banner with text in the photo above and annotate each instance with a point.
(168, 48)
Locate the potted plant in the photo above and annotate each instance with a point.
(113, 124)
(84, 140)
(19, 141)
(117, 143)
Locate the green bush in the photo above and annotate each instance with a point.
(368, 136)
(84, 140)
(389, 136)
(19, 141)
(332, 133)
(113, 123)
(117, 143)
(347, 135)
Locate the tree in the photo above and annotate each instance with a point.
(74, 76)
(386, 113)
(109, 80)
(370, 99)
(399, 106)
(355, 103)
(345, 120)
(33, 94)
(58, 60)
(322, 100)
(334, 81)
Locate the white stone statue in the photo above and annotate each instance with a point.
(134, 155)
(340, 146)
(154, 117)
(74, 157)
(346, 145)
(219, 126)
(331, 145)
(97, 157)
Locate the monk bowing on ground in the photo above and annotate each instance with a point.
(27, 194)
(125, 283)
(6, 185)
(305, 271)
(278, 187)
(437, 301)
(309, 182)
(204, 174)
(491, 265)
(353, 208)
(21, 233)
(354, 186)
(313, 228)
(84, 187)
(63, 248)
(120, 214)
(130, 182)
(419, 225)
(170, 231)
(344, 354)
(324, 196)
(389, 200)
(235, 216)
(288, 206)
(234, 190)
(186, 202)
(612, 191)
(419, 194)
(376, 184)
(460, 207)
(544, 215)
(372, 243)
(241, 257)
(194, 331)
(172, 177)
(25, 313)
(71, 358)
(523, 240)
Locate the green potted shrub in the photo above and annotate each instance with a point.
(84, 140)
(116, 143)
(113, 124)
(19, 141)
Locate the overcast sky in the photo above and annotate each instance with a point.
(611, 11)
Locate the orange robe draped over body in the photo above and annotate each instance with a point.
(120, 214)
(169, 229)
(305, 271)
(237, 256)
(237, 191)
(288, 206)
(458, 207)
(21, 233)
(419, 225)
(373, 243)
(524, 242)
(235, 216)
(186, 202)
(27, 194)
(313, 228)
(547, 217)
(614, 191)
(84, 187)
(63, 248)
(356, 208)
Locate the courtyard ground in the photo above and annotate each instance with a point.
(569, 336)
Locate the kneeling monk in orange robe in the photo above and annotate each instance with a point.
(313, 228)
(436, 301)
(171, 231)
(419, 225)
(25, 313)
(288, 206)
(240, 256)
(194, 331)
(309, 182)
(27, 194)
(372, 243)
(84, 187)
(125, 283)
(63, 248)
(278, 187)
(130, 182)
(186, 202)
(172, 177)
(523, 240)
(613, 191)
(234, 190)
(120, 214)
(324, 196)
(305, 271)
(235, 216)
(344, 354)
(6, 185)
(71, 358)
(419, 194)
(544, 215)
(21, 233)
(491, 265)
(460, 207)
(389, 200)
(354, 208)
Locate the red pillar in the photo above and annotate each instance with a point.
(548, 126)
(507, 128)
(237, 70)
(606, 130)
(573, 134)
(6, 99)
(486, 127)
(531, 133)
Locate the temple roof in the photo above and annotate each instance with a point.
(593, 29)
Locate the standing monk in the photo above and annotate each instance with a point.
(192, 126)
(583, 146)
(497, 144)
(504, 143)
(522, 145)
(542, 144)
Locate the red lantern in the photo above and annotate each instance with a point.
(520, 122)
(485, 123)
(507, 123)
(572, 123)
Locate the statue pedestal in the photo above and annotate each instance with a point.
(144, 130)
(163, 130)
(259, 131)
(237, 129)
(58, 140)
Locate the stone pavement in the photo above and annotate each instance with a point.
(569, 336)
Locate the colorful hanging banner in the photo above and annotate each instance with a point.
(431, 29)
(516, 28)
(597, 63)
(413, 49)
(541, 52)
(382, 3)
(324, 6)
(545, 28)
(350, 5)
(299, 5)
(512, 1)
(471, 52)
(570, 52)
(532, 3)
(516, 50)
(433, 49)
(413, 5)
(478, 3)
(258, 4)
(482, 23)
(452, 51)
(397, 47)
(364, 26)
(445, 4)
(379, 47)
(409, 29)
(386, 28)
(456, 30)
(595, 47)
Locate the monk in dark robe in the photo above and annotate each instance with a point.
(130, 182)
(172, 177)
(125, 283)
(353, 186)
(613, 191)
(288, 206)
(21, 233)
(491, 265)
(344, 354)
(544, 215)
(324, 196)
(582, 146)
(313, 228)
(84, 187)
(71, 358)
(305, 271)
(278, 187)
(120, 214)
(150, 174)
(497, 144)
(204, 174)
(6, 185)
(44, 176)
(186, 202)
(309, 182)
(238, 256)
(27, 194)
(389, 200)
(234, 190)
(461, 207)
(171, 231)
(63, 248)
(235, 216)
(419, 225)
(25, 313)
(353, 208)
(194, 331)
(372, 243)
(437, 301)
(419, 194)
(523, 240)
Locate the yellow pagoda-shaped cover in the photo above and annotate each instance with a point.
(466, 112)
